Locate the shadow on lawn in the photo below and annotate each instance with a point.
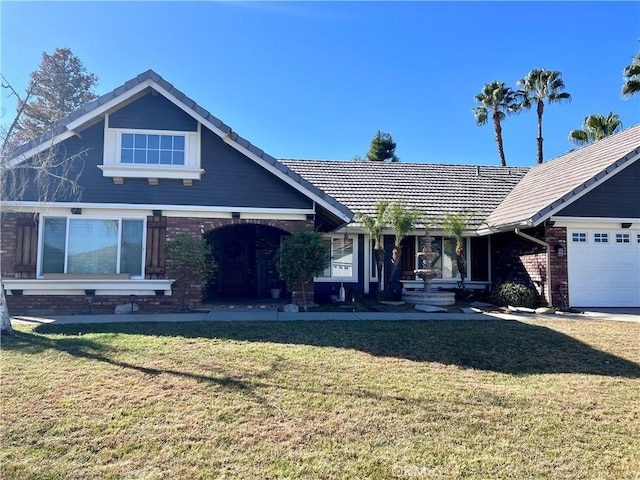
(89, 349)
(502, 346)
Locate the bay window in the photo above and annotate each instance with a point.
(95, 246)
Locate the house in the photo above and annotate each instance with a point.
(153, 163)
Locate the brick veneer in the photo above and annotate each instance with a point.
(197, 227)
(517, 259)
(65, 304)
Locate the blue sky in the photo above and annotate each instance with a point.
(318, 79)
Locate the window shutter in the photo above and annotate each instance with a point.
(156, 238)
(26, 245)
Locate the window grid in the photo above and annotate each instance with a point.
(153, 149)
(601, 238)
(579, 237)
(623, 238)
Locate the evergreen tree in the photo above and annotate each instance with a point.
(382, 148)
(60, 86)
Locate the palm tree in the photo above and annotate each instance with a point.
(455, 224)
(374, 227)
(402, 221)
(496, 101)
(596, 127)
(632, 78)
(538, 86)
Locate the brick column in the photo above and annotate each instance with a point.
(559, 267)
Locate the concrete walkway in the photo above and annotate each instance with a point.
(623, 315)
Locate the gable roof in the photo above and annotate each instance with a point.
(433, 189)
(93, 111)
(549, 187)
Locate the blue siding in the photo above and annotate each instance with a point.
(153, 112)
(618, 197)
(230, 179)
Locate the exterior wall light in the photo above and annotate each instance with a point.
(559, 250)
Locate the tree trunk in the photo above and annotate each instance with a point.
(462, 270)
(497, 127)
(540, 112)
(304, 296)
(380, 266)
(396, 256)
(5, 318)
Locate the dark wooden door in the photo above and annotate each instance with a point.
(235, 268)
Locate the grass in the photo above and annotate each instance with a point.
(457, 400)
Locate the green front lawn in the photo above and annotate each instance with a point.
(557, 399)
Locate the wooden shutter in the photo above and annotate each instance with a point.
(26, 245)
(156, 238)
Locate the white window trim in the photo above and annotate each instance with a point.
(576, 237)
(40, 275)
(601, 240)
(354, 277)
(620, 237)
(111, 166)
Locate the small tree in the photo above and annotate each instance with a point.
(455, 224)
(382, 148)
(374, 227)
(302, 257)
(402, 221)
(190, 260)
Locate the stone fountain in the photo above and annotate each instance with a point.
(427, 295)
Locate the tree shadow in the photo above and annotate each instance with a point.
(494, 345)
(80, 347)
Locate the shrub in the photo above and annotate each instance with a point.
(302, 257)
(516, 294)
(190, 261)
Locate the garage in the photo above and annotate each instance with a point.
(604, 267)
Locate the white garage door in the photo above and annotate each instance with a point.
(604, 268)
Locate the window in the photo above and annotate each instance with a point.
(83, 245)
(152, 149)
(446, 262)
(139, 153)
(341, 265)
(579, 237)
(623, 238)
(601, 238)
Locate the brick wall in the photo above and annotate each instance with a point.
(517, 259)
(69, 304)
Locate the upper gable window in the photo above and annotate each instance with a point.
(146, 153)
(152, 149)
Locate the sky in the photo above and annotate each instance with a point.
(316, 80)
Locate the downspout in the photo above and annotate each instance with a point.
(548, 247)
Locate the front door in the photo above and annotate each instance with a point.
(235, 270)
